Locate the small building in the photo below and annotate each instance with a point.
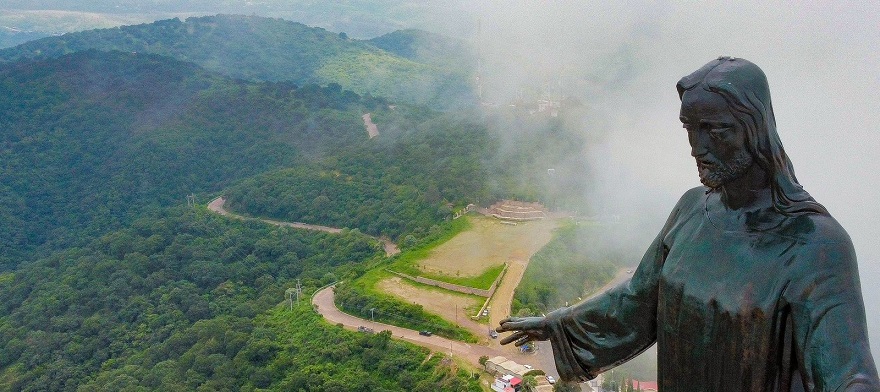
(645, 386)
(507, 383)
(501, 365)
(492, 365)
(511, 367)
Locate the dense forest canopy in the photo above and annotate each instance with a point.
(403, 182)
(181, 305)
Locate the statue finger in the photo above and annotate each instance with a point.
(517, 324)
(523, 340)
(513, 337)
(502, 323)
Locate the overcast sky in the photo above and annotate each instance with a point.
(821, 58)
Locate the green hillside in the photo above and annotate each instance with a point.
(109, 283)
(258, 48)
(92, 139)
(402, 183)
(423, 46)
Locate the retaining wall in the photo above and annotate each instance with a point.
(455, 287)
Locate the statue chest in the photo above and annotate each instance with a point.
(719, 305)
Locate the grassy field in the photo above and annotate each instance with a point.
(457, 306)
(475, 257)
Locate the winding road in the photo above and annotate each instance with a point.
(217, 205)
(324, 303)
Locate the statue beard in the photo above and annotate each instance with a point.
(715, 173)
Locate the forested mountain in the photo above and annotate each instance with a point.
(258, 48)
(423, 46)
(359, 18)
(91, 139)
(403, 182)
(12, 37)
(110, 283)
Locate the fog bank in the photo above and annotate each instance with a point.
(624, 62)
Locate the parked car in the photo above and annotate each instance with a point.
(551, 380)
(493, 334)
(365, 329)
(425, 333)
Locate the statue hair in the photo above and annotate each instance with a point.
(745, 89)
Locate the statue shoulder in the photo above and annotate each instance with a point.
(816, 228)
(694, 197)
(690, 203)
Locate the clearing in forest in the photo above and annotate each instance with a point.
(484, 247)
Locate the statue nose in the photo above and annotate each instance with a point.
(698, 144)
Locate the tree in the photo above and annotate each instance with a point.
(567, 387)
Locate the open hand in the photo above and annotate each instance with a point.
(526, 329)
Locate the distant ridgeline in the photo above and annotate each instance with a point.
(411, 66)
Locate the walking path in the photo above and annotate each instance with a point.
(217, 205)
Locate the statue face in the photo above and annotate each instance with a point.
(717, 138)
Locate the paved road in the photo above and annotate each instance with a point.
(217, 205)
(323, 301)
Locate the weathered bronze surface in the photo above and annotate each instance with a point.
(750, 286)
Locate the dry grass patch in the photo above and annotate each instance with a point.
(452, 306)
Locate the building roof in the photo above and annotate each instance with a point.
(645, 385)
(513, 367)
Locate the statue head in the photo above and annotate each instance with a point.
(744, 89)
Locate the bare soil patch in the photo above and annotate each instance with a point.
(372, 129)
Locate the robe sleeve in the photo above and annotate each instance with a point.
(828, 315)
(600, 333)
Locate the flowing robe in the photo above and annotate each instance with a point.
(772, 310)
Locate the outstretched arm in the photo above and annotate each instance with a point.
(611, 328)
(828, 316)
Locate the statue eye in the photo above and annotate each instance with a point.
(718, 131)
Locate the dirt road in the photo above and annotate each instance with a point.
(372, 129)
(217, 205)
